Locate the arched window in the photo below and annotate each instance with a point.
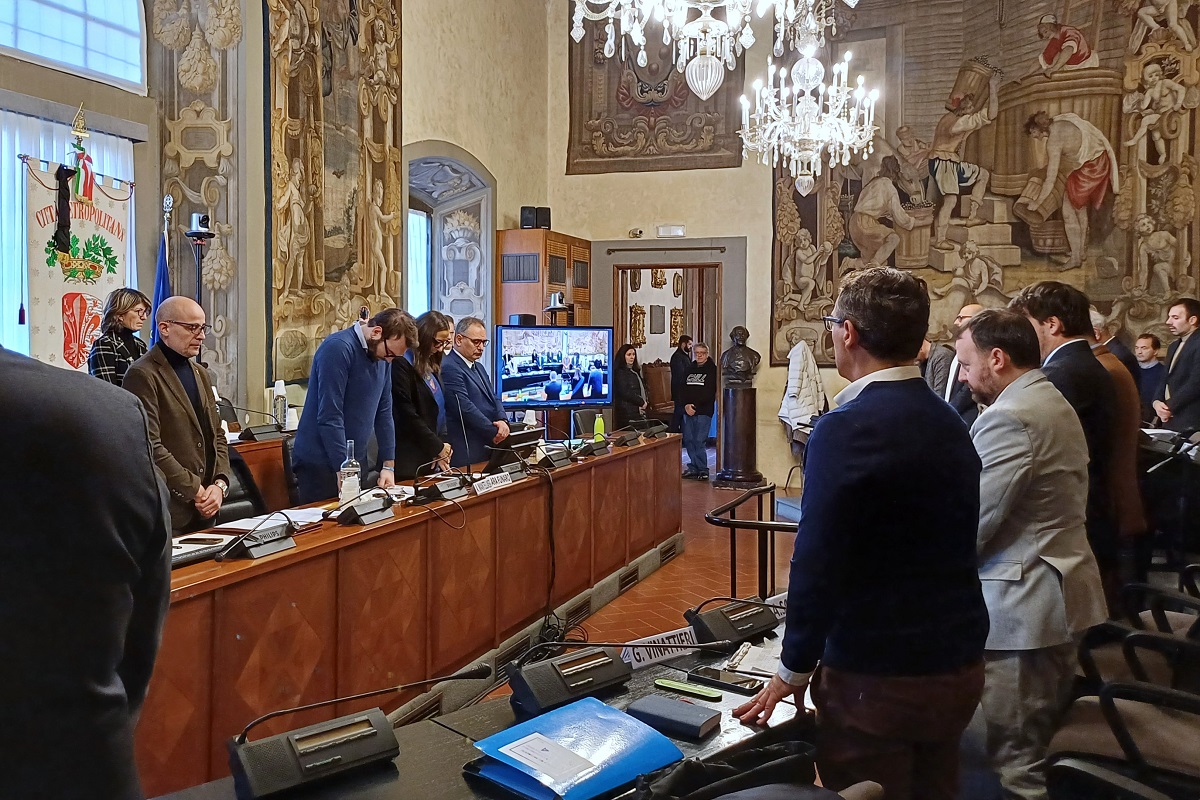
(99, 39)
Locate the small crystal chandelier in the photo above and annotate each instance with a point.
(704, 43)
(791, 125)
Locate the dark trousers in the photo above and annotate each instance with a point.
(677, 419)
(695, 440)
(901, 732)
(315, 484)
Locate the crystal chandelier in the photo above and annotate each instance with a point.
(790, 124)
(706, 45)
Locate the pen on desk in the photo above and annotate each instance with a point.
(754, 672)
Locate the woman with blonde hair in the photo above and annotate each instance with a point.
(125, 313)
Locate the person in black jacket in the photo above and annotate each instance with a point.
(681, 362)
(699, 397)
(418, 407)
(1153, 373)
(1059, 315)
(1178, 400)
(84, 582)
(118, 346)
(629, 392)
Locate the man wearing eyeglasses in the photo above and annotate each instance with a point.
(181, 409)
(349, 397)
(475, 419)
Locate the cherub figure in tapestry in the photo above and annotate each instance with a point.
(1159, 103)
(1077, 149)
(1157, 253)
(1155, 14)
(806, 259)
(949, 172)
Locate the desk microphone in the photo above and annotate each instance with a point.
(258, 433)
(737, 621)
(279, 540)
(277, 764)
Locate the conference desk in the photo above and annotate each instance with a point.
(433, 752)
(355, 608)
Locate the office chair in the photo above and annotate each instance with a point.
(243, 499)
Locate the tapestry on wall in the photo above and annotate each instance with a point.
(1027, 160)
(67, 289)
(629, 118)
(336, 194)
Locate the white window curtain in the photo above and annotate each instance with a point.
(112, 156)
(419, 266)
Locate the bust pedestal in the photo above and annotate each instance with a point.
(739, 453)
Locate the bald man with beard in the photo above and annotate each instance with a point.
(957, 393)
(181, 411)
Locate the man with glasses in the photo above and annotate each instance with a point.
(181, 410)
(884, 587)
(349, 397)
(957, 393)
(475, 419)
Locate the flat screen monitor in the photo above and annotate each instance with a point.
(548, 366)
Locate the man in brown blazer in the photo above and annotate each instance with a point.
(181, 412)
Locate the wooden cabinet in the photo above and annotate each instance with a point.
(533, 263)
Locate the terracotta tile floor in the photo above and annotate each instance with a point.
(656, 604)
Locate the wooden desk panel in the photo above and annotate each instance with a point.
(668, 504)
(275, 647)
(610, 517)
(573, 534)
(462, 586)
(265, 461)
(408, 597)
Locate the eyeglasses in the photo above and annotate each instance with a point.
(142, 311)
(194, 327)
(477, 342)
(831, 321)
(387, 351)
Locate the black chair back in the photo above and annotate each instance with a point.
(289, 472)
(243, 499)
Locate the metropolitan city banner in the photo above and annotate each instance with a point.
(67, 290)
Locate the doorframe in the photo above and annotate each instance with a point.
(621, 321)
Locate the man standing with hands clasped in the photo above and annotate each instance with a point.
(475, 418)
(884, 586)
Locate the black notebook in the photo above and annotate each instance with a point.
(675, 717)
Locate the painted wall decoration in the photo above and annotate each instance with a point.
(627, 118)
(67, 290)
(197, 77)
(1060, 149)
(333, 86)
(461, 269)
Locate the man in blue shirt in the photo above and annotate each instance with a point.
(349, 396)
(884, 588)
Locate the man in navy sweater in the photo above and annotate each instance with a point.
(349, 396)
(884, 589)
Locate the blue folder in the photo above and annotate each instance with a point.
(608, 750)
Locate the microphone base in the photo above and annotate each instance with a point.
(365, 512)
(261, 433)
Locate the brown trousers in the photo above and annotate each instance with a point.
(901, 732)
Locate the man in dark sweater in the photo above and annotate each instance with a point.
(349, 397)
(884, 588)
(1153, 373)
(681, 362)
(699, 397)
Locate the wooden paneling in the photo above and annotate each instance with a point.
(640, 472)
(275, 647)
(383, 623)
(610, 513)
(573, 524)
(530, 298)
(462, 584)
(522, 558)
(175, 719)
(668, 492)
(265, 461)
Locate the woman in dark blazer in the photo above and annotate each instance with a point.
(118, 346)
(629, 393)
(418, 408)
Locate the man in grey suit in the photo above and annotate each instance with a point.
(1040, 579)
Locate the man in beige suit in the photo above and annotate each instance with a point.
(181, 412)
(1040, 579)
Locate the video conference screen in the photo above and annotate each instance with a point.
(553, 366)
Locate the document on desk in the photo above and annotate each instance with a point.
(300, 517)
(577, 752)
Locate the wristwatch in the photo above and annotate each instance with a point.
(222, 485)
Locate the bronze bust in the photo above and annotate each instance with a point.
(739, 363)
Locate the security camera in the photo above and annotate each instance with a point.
(636, 233)
(199, 228)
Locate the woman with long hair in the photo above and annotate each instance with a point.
(418, 405)
(118, 346)
(629, 393)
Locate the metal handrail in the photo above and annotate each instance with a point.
(715, 517)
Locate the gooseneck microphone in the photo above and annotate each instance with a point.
(267, 414)
(477, 671)
(718, 647)
(289, 528)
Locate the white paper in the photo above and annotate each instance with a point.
(547, 757)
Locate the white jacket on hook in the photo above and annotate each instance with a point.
(803, 396)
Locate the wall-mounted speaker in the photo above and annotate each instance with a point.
(525, 320)
(528, 217)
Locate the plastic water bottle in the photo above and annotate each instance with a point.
(598, 428)
(348, 476)
(279, 403)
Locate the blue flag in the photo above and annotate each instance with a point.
(162, 287)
